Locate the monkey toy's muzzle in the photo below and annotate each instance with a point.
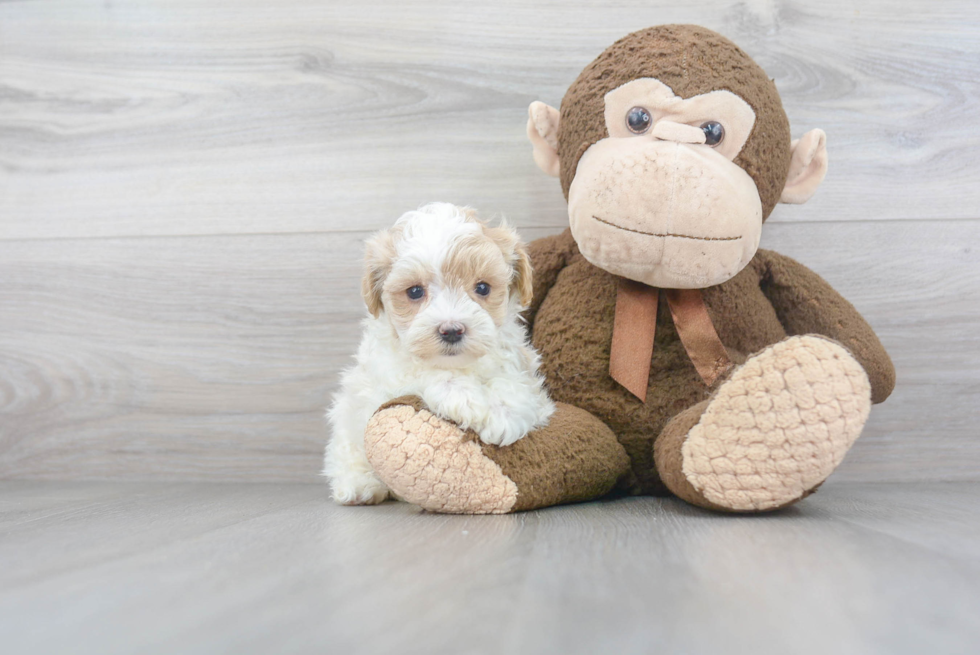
(668, 214)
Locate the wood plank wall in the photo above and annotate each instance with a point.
(185, 187)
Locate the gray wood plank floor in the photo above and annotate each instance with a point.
(116, 567)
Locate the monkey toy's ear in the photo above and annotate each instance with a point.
(542, 130)
(806, 168)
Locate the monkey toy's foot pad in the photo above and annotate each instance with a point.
(779, 426)
(433, 463)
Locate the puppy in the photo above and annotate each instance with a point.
(444, 292)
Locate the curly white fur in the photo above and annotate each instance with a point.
(488, 382)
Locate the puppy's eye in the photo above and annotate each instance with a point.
(483, 289)
(638, 120)
(714, 133)
(416, 292)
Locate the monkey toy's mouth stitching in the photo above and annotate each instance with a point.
(666, 234)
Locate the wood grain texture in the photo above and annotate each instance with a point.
(193, 117)
(197, 568)
(184, 187)
(212, 358)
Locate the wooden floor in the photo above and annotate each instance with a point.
(265, 568)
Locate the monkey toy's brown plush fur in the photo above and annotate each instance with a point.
(683, 359)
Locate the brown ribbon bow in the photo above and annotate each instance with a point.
(635, 327)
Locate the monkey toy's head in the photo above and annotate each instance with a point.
(673, 148)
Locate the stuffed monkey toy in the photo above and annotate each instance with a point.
(683, 359)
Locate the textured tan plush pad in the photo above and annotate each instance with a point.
(779, 426)
(432, 463)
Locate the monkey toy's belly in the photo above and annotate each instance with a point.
(573, 333)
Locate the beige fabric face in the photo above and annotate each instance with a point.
(667, 214)
(735, 115)
(662, 207)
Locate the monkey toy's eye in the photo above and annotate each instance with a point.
(483, 289)
(638, 120)
(714, 133)
(416, 292)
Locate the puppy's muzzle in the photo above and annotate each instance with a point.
(452, 332)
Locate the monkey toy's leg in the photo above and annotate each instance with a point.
(771, 433)
(432, 463)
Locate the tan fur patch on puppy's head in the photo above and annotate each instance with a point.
(402, 309)
(495, 257)
(515, 254)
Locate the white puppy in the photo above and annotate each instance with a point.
(444, 292)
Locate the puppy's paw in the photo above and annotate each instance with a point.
(358, 488)
(460, 402)
(498, 430)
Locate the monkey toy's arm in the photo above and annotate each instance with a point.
(806, 304)
(548, 256)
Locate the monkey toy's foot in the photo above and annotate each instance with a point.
(772, 433)
(432, 463)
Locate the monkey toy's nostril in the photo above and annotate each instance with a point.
(451, 332)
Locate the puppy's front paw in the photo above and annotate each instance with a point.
(497, 430)
(358, 488)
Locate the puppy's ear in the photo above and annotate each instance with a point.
(523, 276)
(516, 255)
(378, 257)
(470, 214)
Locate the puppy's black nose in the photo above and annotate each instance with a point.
(451, 332)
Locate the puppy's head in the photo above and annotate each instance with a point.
(446, 282)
